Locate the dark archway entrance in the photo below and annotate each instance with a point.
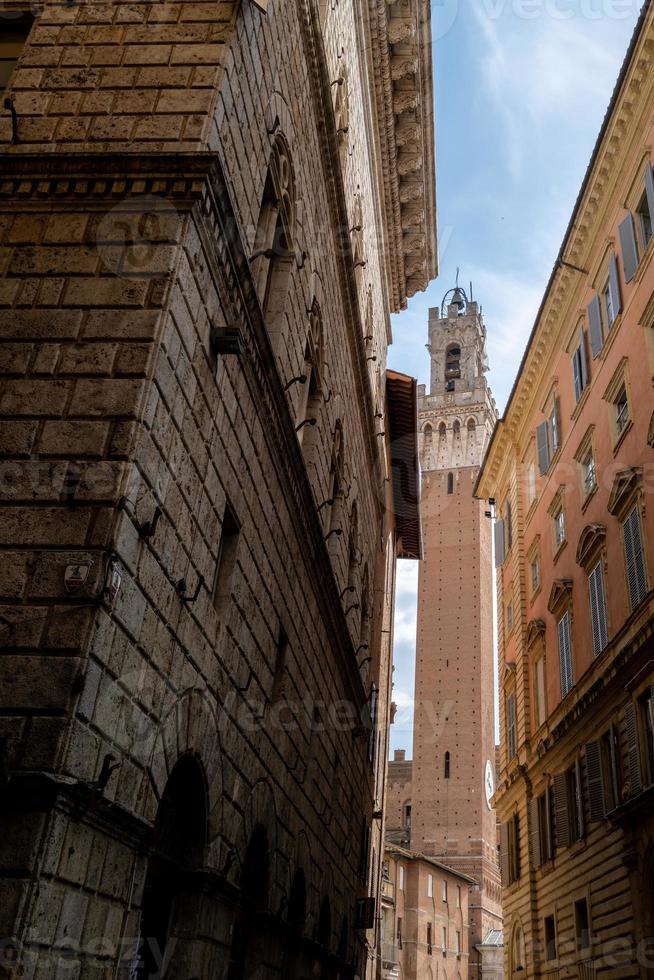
(178, 847)
(251, 954)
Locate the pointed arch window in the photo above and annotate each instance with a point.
(273, 255)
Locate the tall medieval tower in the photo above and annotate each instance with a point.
(454, 731)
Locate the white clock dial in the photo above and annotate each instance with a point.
(489, 783)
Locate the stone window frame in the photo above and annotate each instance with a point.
(635, 198)
(619, 383)
(591, 550)
(556, 509)
(579, 344)
(627, 493)
(559, 604)
(534, 556)
(586, 450)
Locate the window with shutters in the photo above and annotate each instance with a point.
(580, 374)
(568, 806)
(557, 515)
(514, 848)
(634, 782)
(549, 935)
(511, 732)
(621, 406)
(540, 829)
(644, 223)
(634, 557)
(597, 596)
(565, 653)
(617, 398)
(548, 434)
(612, 775)
(608, 312)
(604, 307)
(585, 457)
(499, 542)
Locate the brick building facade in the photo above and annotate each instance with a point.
(208, 211)
(570, 474)
(439, 802)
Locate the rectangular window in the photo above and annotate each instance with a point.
(13, 35)
(444, 890)
(644, 220)
(607, 306)
(559, 528)
(597, 593)
(430, 886)
(535, 575)
(458, 896)
(576, 799)
(531, 483)
(634, 557)
(226, 562)
(444, 939)
(509, 617)
(565, 653)
(540, 691)
(549, 929)
(429, 940)
(582, 924)
(401, 878)
(458, 944)
(399, 933)
(588, 473)
(621, 408)
(511, 735)
(545, 825)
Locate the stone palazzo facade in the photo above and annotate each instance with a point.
(208, 211)
(569, 477)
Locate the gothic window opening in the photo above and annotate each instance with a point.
(179, 841)
(452, 363)
(274, 255)
(427, 440)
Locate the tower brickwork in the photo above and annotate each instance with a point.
(454, 730)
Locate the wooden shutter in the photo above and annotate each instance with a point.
(565, 654)
(595, 326)
(509, 525)
(598, 608)
(534, 833)
(633, 748)
(635, 560)
(614, 285)
(549, 830)
(561, 809)
(579, 799)
(595, 776)
(649, 187)
(504, 853)
(499, 543)
(511, 725)
(576, 374)
(615, 771)
(628, 247)
(583, 357)
(543, 446)
(555, 425)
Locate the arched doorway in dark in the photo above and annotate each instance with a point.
(250, 953)
(179, 842)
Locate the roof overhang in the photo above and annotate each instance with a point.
(399, 56)
(401, 392)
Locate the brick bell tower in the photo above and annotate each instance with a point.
(454, 730)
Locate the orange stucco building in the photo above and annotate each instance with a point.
(569, 476)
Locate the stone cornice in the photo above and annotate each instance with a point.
(399, 67)
(586, 235)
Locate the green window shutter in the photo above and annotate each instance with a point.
(561, 809)
(598, 608)
(633, 748)
(504, 853)
(565, 654)
(579, 801)
(534, 833)
(628, 247)
(634, 557)
(595, 326)
(614, 285)
(594, 774)
(583, 357)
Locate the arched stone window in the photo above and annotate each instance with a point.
(427, 438)
(453, 362)
(178, 848)
(518, 958)
(274, 255)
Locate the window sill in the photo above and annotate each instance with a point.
(620, 439)
(587, 499)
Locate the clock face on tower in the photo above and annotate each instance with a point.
(489, 783)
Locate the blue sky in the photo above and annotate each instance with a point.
(521, 88)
